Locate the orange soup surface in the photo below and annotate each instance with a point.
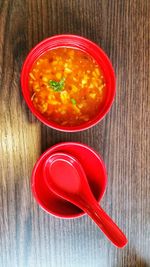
(67, 86)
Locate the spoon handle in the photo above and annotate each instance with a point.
(106, 224)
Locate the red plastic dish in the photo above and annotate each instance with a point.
(95, 171)
(85, 45)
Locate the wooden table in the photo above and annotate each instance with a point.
(28, 236)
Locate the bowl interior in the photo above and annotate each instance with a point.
(79, 43)
(93, 167)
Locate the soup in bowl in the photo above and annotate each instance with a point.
(68, 82)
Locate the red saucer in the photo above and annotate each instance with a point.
(93, 166)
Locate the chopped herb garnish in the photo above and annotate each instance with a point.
(74, 102)
(57, 86)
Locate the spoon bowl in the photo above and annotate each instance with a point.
(94, 169)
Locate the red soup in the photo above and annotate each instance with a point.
(67, 86)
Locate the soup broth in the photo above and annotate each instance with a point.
(67, 86)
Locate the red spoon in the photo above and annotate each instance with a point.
(65, 176)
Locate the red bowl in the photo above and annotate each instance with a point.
(85, 45)
(95, 171)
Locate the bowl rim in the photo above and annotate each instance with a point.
(32, 183)
(37, 114)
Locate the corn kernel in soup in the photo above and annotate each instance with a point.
(67, 86)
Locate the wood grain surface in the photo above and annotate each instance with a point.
(28, 236)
